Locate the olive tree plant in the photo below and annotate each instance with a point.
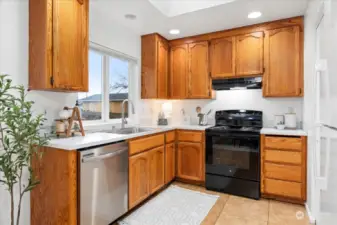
(20, 140)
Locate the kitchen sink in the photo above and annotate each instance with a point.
(129, 130)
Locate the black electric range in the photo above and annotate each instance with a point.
(233, 153)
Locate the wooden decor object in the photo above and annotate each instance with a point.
(76, 112)
(75, 116)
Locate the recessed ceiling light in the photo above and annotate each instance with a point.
(130, 16)
(174, 31)
(254, 15)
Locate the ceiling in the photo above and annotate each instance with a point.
(228, 14)
(172, 8)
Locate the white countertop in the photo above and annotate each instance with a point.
(101, 138)
(285, 132)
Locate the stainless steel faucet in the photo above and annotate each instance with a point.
(124, 121)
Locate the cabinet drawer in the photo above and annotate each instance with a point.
(282, 172)
(283, 188)
(190, 136)
(170, 136)
(290, 143)
(283, 156)
(143, 144)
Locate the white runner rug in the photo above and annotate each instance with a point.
(174, 206)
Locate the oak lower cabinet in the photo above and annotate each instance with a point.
(284, 168)
(157, 168)
(58, 45)
(139, 178)
(146, 167)
(191, 155)
(170, 157)
(283, 62)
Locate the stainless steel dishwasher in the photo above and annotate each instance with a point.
(104, 184)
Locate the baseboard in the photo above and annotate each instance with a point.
(309, 213)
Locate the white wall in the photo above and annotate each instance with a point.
(14, 61)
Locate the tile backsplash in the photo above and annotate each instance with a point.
(225, 100)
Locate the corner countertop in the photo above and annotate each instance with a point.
(285, 132)
(101, 138)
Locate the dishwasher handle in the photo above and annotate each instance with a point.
(104, 156)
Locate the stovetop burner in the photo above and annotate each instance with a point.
(237, 121)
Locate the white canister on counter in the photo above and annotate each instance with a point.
(290, 120)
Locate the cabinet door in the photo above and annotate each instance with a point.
(223, 57)
(157, 168)
(139, 178)
(190, 161)
(70, 45)
(283, 76)
(178, 72)
(149, 67)
(198, 78)
(162, 69)
(170, 162)
(249, 54)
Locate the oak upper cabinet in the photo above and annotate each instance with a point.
(178, 71)
(249, 54)
(163, 54)
(283, 63)
(222, 57)
(157, 168)
(199, 81)
(154, 76)
(58, 45)
(139, 178)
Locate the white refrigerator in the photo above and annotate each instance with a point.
(323, 135)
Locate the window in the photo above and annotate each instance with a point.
(108, 85)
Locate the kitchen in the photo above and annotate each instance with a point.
(178, 93)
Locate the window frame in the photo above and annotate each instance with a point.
(106, 52)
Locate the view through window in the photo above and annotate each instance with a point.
(108, 86)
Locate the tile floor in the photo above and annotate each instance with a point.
(233, 210)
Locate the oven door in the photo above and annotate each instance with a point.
(233, 155)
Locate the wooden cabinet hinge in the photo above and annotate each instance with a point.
(300, 91)
(52, 81)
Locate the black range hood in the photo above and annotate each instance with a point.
(237, 83)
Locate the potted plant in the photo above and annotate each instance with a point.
(20, 140)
